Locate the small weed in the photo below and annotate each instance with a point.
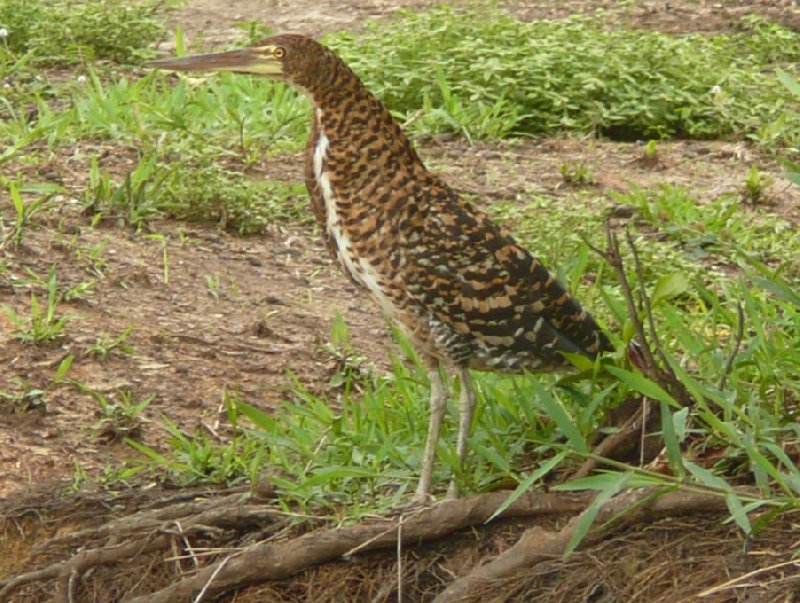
(213, 284)
(755, 185)
(650, 157)
(196, 459)
(349, 367)
(133, 201)
(60, 375)
(24, 213)
(577, 173)
(105, 345)
(79, 477)
(43, 324)
(120, 418)
(68, 294)
(27, 398)
(96, 263)
(163, 239)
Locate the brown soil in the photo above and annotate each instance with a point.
(277, 296)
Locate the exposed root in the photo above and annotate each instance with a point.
(143, 532)
(276, 560)
(537, 544)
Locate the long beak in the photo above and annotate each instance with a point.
(256, 59)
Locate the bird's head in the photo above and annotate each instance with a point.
(295, 59)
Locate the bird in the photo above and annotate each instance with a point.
(458, 285)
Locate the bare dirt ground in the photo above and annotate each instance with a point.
(278, 291)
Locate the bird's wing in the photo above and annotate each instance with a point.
(474, 278)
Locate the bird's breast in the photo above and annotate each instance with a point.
(350, 253)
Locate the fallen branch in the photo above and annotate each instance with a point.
(537, 544)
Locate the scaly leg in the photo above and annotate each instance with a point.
(438, 404)
(466, 408)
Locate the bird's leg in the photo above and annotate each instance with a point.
(438, 404)
(466, 408)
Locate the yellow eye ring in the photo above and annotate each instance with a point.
(279, 53)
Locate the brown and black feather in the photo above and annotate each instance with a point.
(456, 282)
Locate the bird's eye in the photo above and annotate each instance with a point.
(279, 52)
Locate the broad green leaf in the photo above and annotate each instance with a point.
(579, 361)
(63, 368)
(738, 513)
(778, 287)
(668, 287)
(707, 478)
(16, 198)
(679, 420)
(789, 82)
(257, 416)
(148, 452)
(324, 475)
(602, 480)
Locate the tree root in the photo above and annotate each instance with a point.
(276, 560)
(537, 544)
(158, 529)
(276, 557)
(144, 532)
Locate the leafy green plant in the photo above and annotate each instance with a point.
(106, 345)
(650, 157)
(793, 87)
(715, 230)
(130, 202)
(76, 292)
(213, 285)
(24, 213)
(755, 185)
(120, 417)
(192, 459)
(44, 323)
(577, 173)
(626, 84)
(26, 397)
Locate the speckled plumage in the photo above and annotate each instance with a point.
(458, 284)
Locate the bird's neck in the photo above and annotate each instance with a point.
(356, 123)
